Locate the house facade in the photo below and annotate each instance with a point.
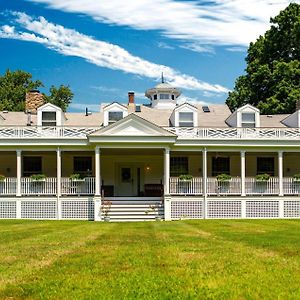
(146, 162)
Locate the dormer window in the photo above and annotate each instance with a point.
(49, 118)
(164, 96)
(248, 120)
(114, 116)
(186, 119)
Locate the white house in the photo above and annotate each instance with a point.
(132, 159)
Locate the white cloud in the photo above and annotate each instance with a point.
(8, 29)
(191, 100)
(72, 43)
(164, 45)
(221, 22)
(197, 48)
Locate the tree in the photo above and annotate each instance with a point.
(13, 88)
(60, 97)
(272, 79)
(15, 85)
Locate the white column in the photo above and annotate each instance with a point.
(97, 172)
(280, 172)
(204, 182)
(167, 172)
(243, 173)
(58, 171)
(19, 172)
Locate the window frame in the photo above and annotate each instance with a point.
(49, 122)
(262, 166)
(179, 165)
(28, 163)
(79, 168)
(248, 123)
(185, 123)
(220, 165)
(110, 121)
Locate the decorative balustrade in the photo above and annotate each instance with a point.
(84, 186)
(236, 133)
(46, 132)
(190, 187)
(230, 187)
(255, 187)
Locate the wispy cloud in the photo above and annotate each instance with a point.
(197, 48)
(164, 45)
(72, 43)
(217, 22)
(185, 99)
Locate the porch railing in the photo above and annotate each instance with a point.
(230, 187)
(254, 187)
(47, 186)
(191, 187)
(85, 186)
(291, 186)
(236, 133)
(8, 186)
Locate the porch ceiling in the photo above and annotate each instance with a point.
(122, 152)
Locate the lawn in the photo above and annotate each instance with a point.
(205, 259)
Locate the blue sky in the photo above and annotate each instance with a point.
(103, 49)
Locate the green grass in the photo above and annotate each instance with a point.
(205, 259)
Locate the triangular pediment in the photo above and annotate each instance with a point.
(132, 125)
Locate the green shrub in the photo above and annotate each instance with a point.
(262, 177)
(185, 177)
(296, 177)
(223, 177)
(38, 177)
(2, 177)
(76, 176)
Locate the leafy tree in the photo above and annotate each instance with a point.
(14, 85)
(60, 97)
(13, 88)
(272, 79)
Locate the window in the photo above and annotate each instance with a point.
(186, 119)
(179, 166)
(248, 120)
(82, 165)
(173, 97)
(48, 118)
(220, 165)
(114, 116)
(32, 165)
(155, 97)
(164, 96)
(265, 165)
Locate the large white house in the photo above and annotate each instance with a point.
(141, 162)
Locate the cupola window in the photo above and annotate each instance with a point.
(164, 96)
(186, 119)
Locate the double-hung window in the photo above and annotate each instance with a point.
(220, 165)
(82, 165)
(186, 119)
(266, 165)
(114, 116)
(48, 118)
(179, 166)
(248, 120)
(32, 165)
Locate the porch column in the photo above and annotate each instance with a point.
(58, 171)
(167, 171)
(19, 172)
(243, 173)
(280, 172)
(204, 178)
(97, 172)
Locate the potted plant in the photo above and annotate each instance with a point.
(76, 177)
(38, 177)
(223, 181)
(105, 209)
(186, 177)
(223, 177)
(184, 183)
(296, 177)
(262, 177)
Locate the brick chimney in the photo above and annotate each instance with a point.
(33, 100)
(130, 98)
(297, 105)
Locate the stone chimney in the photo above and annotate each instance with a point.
(34, 99)
(130, 98)
(297, 105)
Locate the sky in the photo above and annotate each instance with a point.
(104, 48)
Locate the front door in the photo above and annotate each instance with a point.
(128, 180)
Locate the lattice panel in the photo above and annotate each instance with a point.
(291, 209)
(262, 209)
(186, 209)
(8, 210)
(224, 209)
(38, 209)
(77, 209)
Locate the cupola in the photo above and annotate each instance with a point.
(163, 95)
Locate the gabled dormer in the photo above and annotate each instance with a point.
(184, 115)
(246, 116)
(292, 120)
(50, 115)
(113, 113)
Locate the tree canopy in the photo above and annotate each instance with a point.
(272, 79)
(14, 85)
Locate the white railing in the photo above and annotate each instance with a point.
(236, 133)
(291, 186)
(85, 186)
(191, 187)
(230, 187)
(46, 132)
(254, 187)
(8, 186)
(47, 186)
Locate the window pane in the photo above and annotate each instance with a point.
(163, 96)
(83, 165)
(220, 165)
(265, 165)
(186, 117)
(186, 124)
(49, 115)
(248, 125)
(179, 166)
(115, 116)
(248, 117)
(32, 165)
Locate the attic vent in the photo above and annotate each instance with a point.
(137, 108)
(206, 109)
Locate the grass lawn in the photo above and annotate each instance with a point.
(204, 259)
